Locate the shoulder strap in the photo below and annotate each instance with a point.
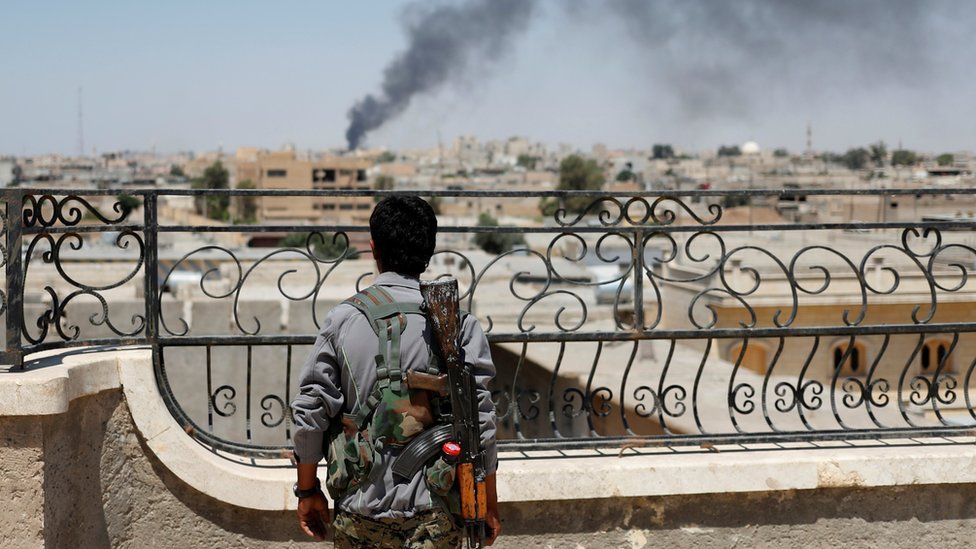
(377, 304)
(388, 320)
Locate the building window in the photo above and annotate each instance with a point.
(856, 362)
(345, 206)
(323, 175)
(932, 354)
(360, 175)
(362, 206)
(328, 206)
(754, 358)
(347, 178)
(277, 173)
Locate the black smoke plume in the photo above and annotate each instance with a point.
(728, 57)
(703, 58)
(444, 42)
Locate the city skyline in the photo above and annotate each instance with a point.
(184, 77)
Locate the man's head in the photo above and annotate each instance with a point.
(404, 232)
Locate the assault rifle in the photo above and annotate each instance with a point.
(444, 319)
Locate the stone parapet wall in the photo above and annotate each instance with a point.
(87, 475)
(21, 482)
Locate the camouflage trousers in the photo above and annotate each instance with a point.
(433, 529)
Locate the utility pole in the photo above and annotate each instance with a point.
(750, 197)
(440, 158)
(81, 127)
(809, 150)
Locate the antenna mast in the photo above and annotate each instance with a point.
(81, 127)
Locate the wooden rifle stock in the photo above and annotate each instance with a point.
(474, 494)
(428, 382)
(443, 316)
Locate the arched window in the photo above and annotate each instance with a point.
(932, 353)
(755, 357)
(856, 362)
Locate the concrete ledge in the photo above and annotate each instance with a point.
(220, 478)
(653, 472)
(56, 379)
(738, 471)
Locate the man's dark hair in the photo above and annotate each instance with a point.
(404, 231)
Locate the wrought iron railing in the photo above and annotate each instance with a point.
(673, 317)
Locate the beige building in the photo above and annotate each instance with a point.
(284, 170)
(196, 166)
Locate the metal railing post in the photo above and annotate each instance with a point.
(15, 278)
(151, 283)
(638, 263)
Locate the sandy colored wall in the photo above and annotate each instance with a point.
(21, 477)
(86, 479)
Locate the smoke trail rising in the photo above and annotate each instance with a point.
(445, 42)
(701, 58)
(717, 57)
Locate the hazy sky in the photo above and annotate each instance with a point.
(194, 75)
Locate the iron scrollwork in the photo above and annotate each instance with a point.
(606, 280)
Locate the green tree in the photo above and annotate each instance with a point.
(128, 203)
(385, 157)
(625, 175)
(18, 176)
(832, 157)
(903, 157)
(781, 153)
(575, 174)
(578, 174)
(527, 161)
(495, 243)
(662, 151)
(855, 159)
(945, 159)
(216, 207)
(879, 153)
(325, 245)
(246, 206)
(729, 150)
(382, 183)
(176, 170)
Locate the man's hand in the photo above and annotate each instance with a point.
(494, 524)
(314, 516)
(491, 513)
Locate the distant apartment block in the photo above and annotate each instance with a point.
(284, 170)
